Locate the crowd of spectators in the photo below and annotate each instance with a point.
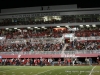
(45, 46)
(47, 61)
(28, 33)
(84, 45)
(26, 61)
(87, 33)
(31, 47)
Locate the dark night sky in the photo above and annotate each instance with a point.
(31, 3)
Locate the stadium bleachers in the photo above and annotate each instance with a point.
(41, 39)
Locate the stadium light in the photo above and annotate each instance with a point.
(81, 25)
(67, 26)
(58, 26)
(74, 29)
(15, 28)
(7, 28)
(35, 27)
(28, 27)
(87, 25)
(43, 26)
(94, 25)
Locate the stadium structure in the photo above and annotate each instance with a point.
(56, 32)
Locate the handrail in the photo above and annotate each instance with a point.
(52, 52)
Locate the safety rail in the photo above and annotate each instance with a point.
(52, 52)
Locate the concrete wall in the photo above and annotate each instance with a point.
(57, 7)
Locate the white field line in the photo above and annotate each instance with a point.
(92, 70)
(23, 68)
(49, 70)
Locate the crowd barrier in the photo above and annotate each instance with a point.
(52, 52)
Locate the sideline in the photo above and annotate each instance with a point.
(92, 70)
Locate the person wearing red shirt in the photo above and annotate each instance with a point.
(59, 62)
(69, 61)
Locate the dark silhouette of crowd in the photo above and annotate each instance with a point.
(50, 19)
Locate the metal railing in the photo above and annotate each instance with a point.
(52, 52)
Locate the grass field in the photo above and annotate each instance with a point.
(50, 70)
